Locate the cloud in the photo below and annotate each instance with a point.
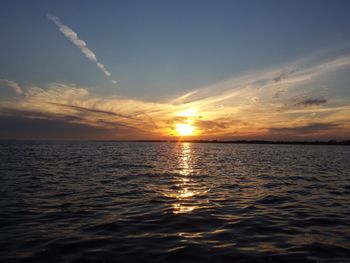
(83, 109)
(182, 99)
(24, 127)
(76, 105)
(305, 129)
(27, 124)
(240, 107)
(124, 118)
(279, 91)
(283, 75)
(12, 85)
(217, 125)
(270, 82)
(311, 102)
(81, 44)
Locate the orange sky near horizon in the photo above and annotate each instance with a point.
(271, 105)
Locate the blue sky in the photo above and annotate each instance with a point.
(160, 50)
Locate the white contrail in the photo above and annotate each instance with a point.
(81, 44)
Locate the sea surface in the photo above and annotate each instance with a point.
(173, 202)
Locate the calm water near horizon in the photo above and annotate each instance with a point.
(173, 202)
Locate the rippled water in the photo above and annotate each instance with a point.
(125, 202)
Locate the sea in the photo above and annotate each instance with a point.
(173, 202)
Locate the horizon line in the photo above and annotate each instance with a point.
(308, 142)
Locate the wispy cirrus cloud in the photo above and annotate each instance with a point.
(12, 85)
(79, 43)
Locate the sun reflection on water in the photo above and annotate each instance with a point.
(185, 159)
(186, 185)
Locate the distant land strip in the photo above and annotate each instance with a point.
(330, 142)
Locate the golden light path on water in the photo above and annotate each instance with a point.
(186, 184)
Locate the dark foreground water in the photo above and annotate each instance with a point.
(163, 202)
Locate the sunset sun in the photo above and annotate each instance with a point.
(184, 129)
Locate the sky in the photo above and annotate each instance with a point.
(131, 70)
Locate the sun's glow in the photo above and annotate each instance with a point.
(186, 125)
(188, 113)
(184, 129)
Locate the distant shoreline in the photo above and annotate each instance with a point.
(330, 142)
